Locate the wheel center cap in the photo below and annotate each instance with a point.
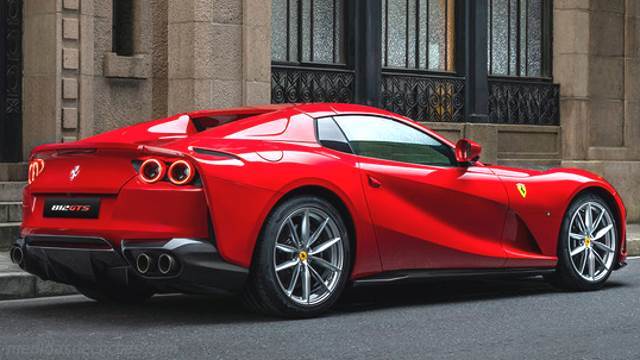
(587, 241)
(303, 256)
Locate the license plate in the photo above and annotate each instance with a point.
(83, 208)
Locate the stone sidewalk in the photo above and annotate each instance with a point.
(16, 284)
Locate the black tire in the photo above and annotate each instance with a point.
(115, 295)
(263, 292)
(566, 276)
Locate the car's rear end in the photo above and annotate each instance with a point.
(120, 214)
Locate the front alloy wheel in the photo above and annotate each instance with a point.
(591, 241)
(588, 245)
(302, 259)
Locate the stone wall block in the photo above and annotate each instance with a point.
(226, 93)
(69, 88)
(632, 128)
(572, 73)
(613, 6)
(87, 45)
(227, 54)
(181, 50)
(257, 93)
(39, 52)
(607, 123)
(181, 95)
(607, 35)
(257, 57)
(257, 13)
(35, 7)
(606, 78)
(70, 59)
(573, 38)
(180, 11)
(575, 129)
(632, 37)
(71, 4)
(70, 118)
(228, 11)
(40, 116)
(632, 79)
(572, 4)
(70, 29)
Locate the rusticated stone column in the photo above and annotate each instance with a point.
(219, 53)
(597, 63)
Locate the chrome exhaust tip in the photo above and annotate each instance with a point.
(143, 263)
(16, 255)
(166, 263)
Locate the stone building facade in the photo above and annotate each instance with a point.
(92, 65)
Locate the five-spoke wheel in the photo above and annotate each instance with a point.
(302, 260)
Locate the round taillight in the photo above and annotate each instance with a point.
(36, 167)
(151, 171)
(181, 172)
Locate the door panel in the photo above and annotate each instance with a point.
(435, 217)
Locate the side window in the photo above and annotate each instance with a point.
(330, 135)
(388, 139)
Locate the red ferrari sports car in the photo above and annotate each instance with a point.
(288, 204)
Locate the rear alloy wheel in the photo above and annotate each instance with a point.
(588, 245)
(302, 261)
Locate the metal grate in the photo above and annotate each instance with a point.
(298, 84)
(424, 98)
(524, 102)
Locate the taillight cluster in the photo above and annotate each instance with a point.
(36, 167)
(179, 172)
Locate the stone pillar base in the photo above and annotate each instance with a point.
(623, 175)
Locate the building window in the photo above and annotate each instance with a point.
(519, 32)
(418, 34)
(308, 31)
(123, 27)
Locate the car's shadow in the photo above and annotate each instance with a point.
(177, 310)
(445, 292)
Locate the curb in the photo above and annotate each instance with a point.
(21, 285)
(633, 239)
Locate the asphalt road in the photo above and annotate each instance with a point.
(499, 319)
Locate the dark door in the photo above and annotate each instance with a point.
(11, 80)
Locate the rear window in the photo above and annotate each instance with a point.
(208, 122)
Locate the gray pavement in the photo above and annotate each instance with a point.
(498, 319)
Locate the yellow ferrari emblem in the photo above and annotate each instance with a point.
(303, 256)
(522, 189)
(587, 241)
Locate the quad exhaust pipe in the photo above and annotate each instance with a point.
(17, 256)
(149, 263)
(166, 264)
(143, 263)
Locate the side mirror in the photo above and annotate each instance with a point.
(467, 151)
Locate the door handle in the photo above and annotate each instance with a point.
(373, 182)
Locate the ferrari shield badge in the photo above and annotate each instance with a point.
(522, 189)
